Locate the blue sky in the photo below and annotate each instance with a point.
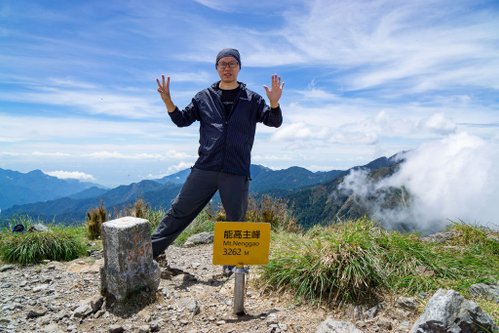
(363, 79)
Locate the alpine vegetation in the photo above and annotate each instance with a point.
(358, 261)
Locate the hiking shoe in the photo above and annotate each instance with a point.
(161, 260)
(227, 271)
(168, 272)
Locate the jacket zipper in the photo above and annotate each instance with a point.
(226, 123)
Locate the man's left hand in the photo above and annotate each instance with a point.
(275, 91)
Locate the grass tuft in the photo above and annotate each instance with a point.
(95, 218)
(356, 261)
(33, 247)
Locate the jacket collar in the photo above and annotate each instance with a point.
(214, 86)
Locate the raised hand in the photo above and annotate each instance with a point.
(275, 91)
(164, 91)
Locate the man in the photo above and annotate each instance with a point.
(228, 113)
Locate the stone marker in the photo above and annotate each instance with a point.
(128, 264)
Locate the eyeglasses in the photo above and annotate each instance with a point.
(223, 65)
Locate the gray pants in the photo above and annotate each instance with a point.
(196, 192)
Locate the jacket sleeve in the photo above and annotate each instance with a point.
(268, 116)
(187, 116)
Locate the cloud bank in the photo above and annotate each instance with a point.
(452, 179)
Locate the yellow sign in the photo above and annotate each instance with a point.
(241, 243)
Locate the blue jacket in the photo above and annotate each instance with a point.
(225, 144)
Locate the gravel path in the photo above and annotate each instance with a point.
(65, 297)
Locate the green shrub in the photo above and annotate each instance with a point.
(326, 266)
(354, 261)
(274, 211)
(267, 209)
(141, 209)
(95, 218)
(138, 209)
(32, 247)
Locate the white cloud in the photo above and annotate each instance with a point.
(179, 167)
(455, 178)
(126, 156)
(439, 123)
(68, 82)
(35, 154)
(295, 131)
(92, 102)
(65, 130)
(243, 6)
(215, 5)
(49, 154)
(193, 77)
(81, 176)
(428, 43)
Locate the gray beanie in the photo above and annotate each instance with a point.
(229, 53)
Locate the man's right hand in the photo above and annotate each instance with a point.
(164, 91)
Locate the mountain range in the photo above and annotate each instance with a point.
(68, 201)
(18, 188)
(328, 202)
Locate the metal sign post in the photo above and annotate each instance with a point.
(239, 290)
(239, 244)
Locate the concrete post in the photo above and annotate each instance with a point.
(128, 264)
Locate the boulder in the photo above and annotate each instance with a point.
(448, 311)
(201, 238)
(486, 290)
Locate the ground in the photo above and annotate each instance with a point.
(193, 299)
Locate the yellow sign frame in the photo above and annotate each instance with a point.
(241, 243)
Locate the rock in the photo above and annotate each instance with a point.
(403, 327)
(283, 327)
(39, 227)
(425, 271)
(407, 303)
(72, 328)
(5, 268)
(82, 311)
(190, 305)
(358, 312)
(143, 329)
(440, 237)
(373, 312)
(154, 326)
(334, 326)
(201, 238)
(36, 312)
(89, 306)
(95, 302)
(116, 329)
(385, 324)
(52, 328)
(40, 288)
(488, 291)
(448, 311)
